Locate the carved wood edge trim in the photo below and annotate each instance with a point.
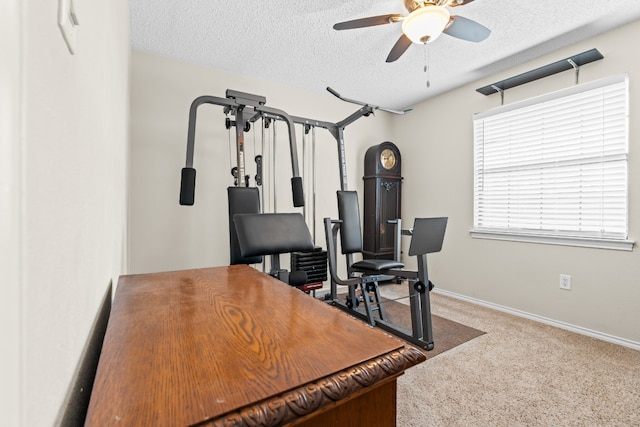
(311, 397)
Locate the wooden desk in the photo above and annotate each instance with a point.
(232, 346)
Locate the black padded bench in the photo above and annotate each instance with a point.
(274, 234)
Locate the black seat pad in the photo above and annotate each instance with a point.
(272, 233)
(376, 265)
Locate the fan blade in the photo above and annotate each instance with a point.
(456, 3)
(466, 29)
(368, 22)
(399, 48)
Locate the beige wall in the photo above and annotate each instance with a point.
(167, 236)
(65, 190)
(10, 210)
(437, 141)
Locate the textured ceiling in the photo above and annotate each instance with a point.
(292, 42)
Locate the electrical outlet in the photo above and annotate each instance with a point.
(565, 282)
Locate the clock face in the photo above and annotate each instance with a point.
(388, 158)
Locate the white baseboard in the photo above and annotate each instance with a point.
(573, 328)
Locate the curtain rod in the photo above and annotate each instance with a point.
(573, 62)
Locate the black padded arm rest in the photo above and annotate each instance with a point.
(268, 234)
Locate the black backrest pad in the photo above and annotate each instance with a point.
(245, 200)
(349, 214)
(428, 235)
(266, 234)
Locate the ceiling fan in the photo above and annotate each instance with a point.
(426, 21)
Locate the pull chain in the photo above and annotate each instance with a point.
(427, 68)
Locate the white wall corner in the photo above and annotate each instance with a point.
(11, 392)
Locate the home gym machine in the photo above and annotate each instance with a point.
(247, 109)
(254, 234)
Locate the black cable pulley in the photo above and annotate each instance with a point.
(419, 287)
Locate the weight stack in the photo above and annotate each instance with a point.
(314, 263)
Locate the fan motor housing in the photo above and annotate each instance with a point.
(412, 5)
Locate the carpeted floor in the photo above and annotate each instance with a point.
(520, 373)
(447, 333)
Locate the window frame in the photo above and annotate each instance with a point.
(550, 236)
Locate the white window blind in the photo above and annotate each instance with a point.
(555, 165)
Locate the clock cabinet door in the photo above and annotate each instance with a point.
(389, 208)
(382, 197)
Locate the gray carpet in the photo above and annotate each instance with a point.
(520, 373)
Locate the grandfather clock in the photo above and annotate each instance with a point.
(382, 192)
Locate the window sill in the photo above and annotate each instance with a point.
(614, 244)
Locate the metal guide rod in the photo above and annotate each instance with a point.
(313, 179)
(342, 160)
(274, 151)
(264, 159)
(240, 147)
(309, 172)
(304, 168)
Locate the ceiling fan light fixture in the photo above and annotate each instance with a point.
(424, 25)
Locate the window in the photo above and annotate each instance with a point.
(553, 169)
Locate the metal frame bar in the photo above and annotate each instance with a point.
(337, 131)
(353, 101)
